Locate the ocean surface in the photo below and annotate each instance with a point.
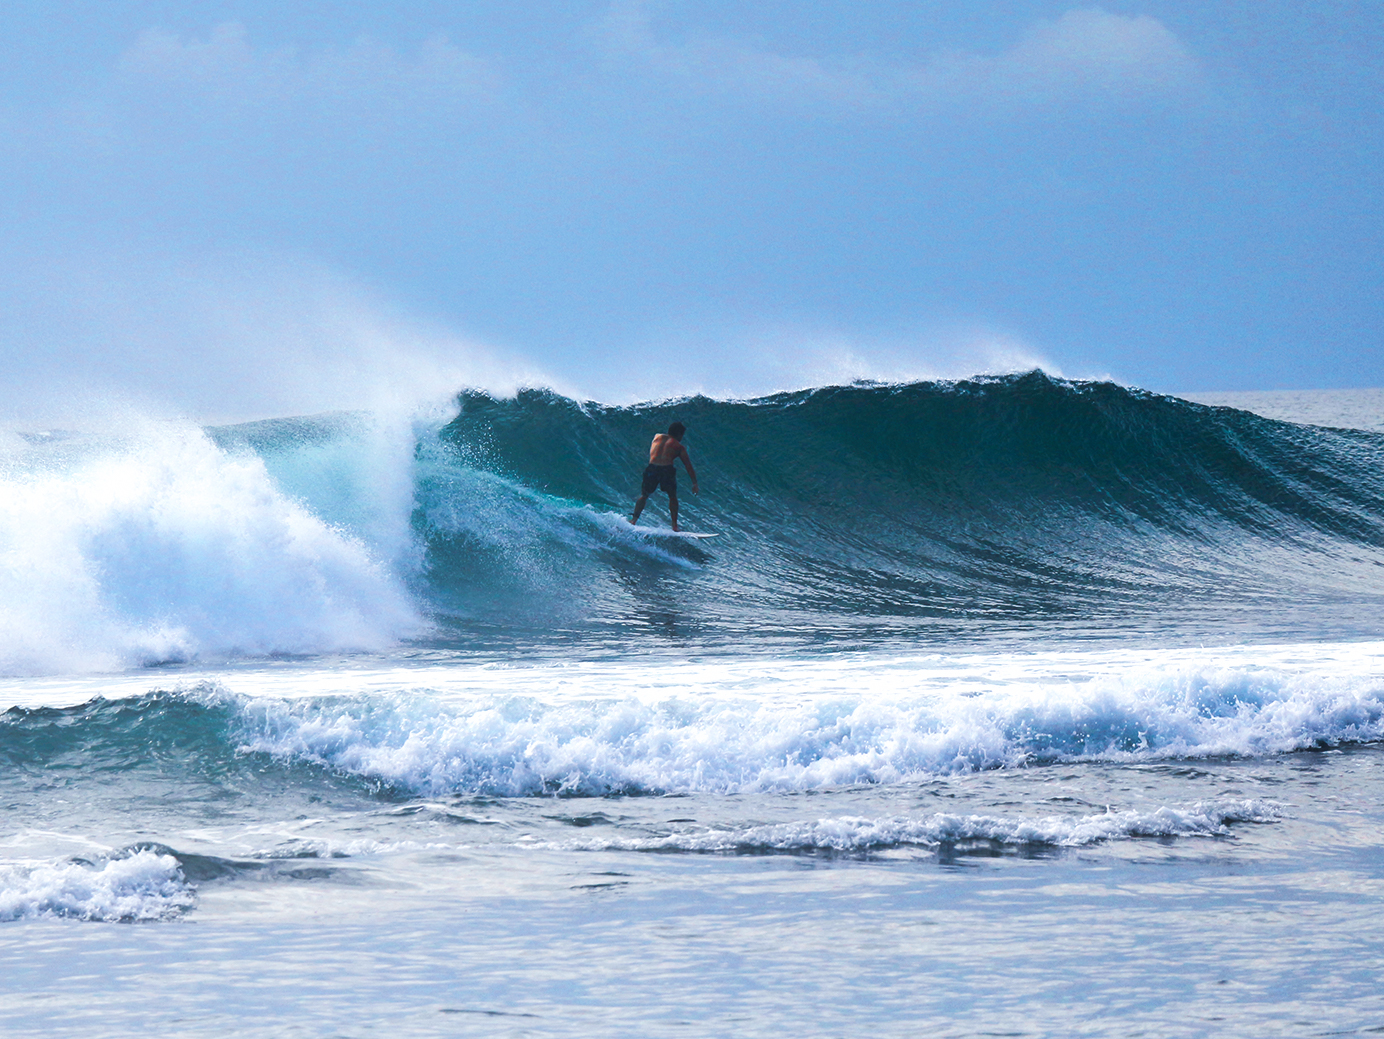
(1004, 706)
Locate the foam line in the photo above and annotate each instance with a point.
(763, 738)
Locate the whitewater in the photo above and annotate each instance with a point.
(1008, 705)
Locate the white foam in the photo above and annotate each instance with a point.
(327, 848)
(854, 834)
(163, 547)
(849, 834)
(142, 886)
(744, 726)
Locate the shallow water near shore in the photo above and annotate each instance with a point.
(1132, 889)
(1260, 927)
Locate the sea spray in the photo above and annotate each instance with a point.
(157, 545)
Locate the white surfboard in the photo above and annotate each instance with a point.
(664, 532)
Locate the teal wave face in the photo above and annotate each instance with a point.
(895, 510)
(191, 745)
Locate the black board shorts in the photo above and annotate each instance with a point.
(663, 477)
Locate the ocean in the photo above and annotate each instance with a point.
(1010, 705)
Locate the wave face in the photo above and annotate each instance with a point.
(872, 510)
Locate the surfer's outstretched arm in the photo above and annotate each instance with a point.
(687, 461)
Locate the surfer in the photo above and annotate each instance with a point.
(663, 452)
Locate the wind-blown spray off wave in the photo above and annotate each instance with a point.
(1017, 504)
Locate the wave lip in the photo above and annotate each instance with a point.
(141, 885)
(849, 834)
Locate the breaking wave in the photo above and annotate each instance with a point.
(994, 507)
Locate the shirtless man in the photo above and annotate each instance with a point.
(663, 452)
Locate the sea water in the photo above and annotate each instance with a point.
(1007, 706)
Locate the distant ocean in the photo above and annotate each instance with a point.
(1004, 706)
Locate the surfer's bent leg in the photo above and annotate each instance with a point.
(673, 508)
(638, 508)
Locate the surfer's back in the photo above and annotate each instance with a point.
(665, 450)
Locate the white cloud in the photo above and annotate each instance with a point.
(734, 65)
(228, 67)
(1084, 55)
(1091, 51)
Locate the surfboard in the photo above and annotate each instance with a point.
(664, 532)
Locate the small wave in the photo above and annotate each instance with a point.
(137, 886)
(730, 726)
(517, 745)
(327, 848)
(848, 834)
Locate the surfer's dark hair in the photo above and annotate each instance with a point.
(676, 430)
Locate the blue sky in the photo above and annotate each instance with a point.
(241, 208)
